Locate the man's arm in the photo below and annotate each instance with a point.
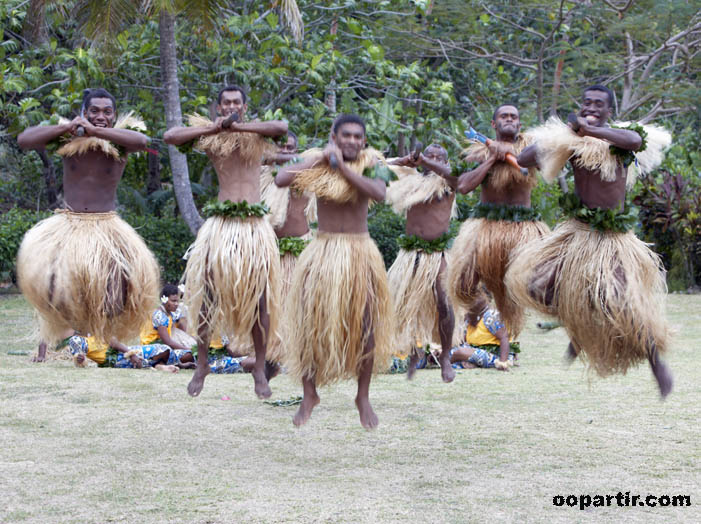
(269, 128)
(130, 140)
(622, 138)
(441, 169)
(178, 136)
(369, 187)
(287, 174)
(37, 137)
(280, 158)
(528, 157)
(468, 181)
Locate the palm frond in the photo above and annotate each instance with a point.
(103, 19)
(205, 13)
(292, 18)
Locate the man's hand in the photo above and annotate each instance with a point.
(332, 149)
(502, 365)
(579, 126)
(499, 149)
(137, 361)
(406, 161)
(83, 122)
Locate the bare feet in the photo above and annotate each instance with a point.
(272, 370)
(187, 365)
(195, 386)
(447, 371)
(368, 419)
(261, 386)
(413, 360)
(309, 402)
(168, 368)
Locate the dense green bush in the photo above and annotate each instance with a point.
(13, 225)
(385, 226)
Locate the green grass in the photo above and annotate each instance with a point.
(101, 445)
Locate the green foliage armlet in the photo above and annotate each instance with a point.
(599, 219)
(505, 212)
(294, 245)
(235, 209)
(415, 243)
(295, 160)
(380, 171)
(627, 156)
(459, 169)
(187, 147)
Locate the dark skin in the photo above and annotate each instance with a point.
(592, 120)
(429, 221)
(89, 180)
(295, 224)
(238, 181)
(170, 306)
(346, 144)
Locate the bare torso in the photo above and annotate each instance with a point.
(343, 218)
(594, 192)
(513, 195)
(295, 224)
(238, 181)
(430, 220)
(90, 182)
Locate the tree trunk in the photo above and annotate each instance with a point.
(171, 102)
(153, 182)
(49, 178)
(34, 29)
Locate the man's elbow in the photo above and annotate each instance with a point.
(281, 128)
(23, 142)
(169, 137)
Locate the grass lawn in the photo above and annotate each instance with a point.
(103, 445)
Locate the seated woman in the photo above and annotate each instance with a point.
(164, 321)
(224, 359)
(487, 342)
(117, 355)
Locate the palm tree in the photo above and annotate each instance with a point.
(102, 18)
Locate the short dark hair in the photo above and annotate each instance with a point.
(347, 119)
(99, 92)
(494, 115)
(170, 289)
(290, 133)
(599, 87)
(231, 88)
(436, 145)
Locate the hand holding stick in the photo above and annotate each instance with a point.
(231, 119)
(509, 158)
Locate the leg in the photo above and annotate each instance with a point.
(116, 296)
(195, 386)
(446, 324)
(368, 419)
(542, 286)
(260, 342)
(570, 354)
(413, 362)
(309, 402)
(660, 370)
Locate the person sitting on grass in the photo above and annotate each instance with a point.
(164, 320)
(117, 355)
(487, 342)
(224, 359)
(57, 350)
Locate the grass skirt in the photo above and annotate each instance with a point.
(90, 272)
(609, 292)
(481, 253)
(231, 264)
(337, 277)
(412, 280)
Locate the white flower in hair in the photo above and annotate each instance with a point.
(164, 299)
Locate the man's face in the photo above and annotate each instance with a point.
(436, 154)
(290, 146)
(595, 108)
(350, 138)
(232, 102)
(507, 122)
(100, 112)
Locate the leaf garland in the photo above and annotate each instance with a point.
(604, 220)
(230, 209)
(505, 212)
(294, 245)
(416, 243)
(381, 171)
(187, 147)
(626, 155)
(495, 349)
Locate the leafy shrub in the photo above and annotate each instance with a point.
(13, 225)
(385, 226)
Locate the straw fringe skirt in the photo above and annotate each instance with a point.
(412, 283)
(338, 277)
(481, 253)
(609, 292)
(231, 265)
(90, 272)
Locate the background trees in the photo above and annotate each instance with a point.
(417, 70)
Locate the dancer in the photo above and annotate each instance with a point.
(605, 286)
(85, 268)
(291, 212)
(416, 278)
(501, 221)
(232, 271)
(339, 304)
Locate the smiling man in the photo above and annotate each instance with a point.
(339, 303)
(605, 285)
(85, 268)
(501, 221)
(232, 272)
